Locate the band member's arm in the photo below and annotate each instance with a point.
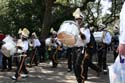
(121, 47)
(19, 44)
(83, 37)
(59, 44)
(86, 33)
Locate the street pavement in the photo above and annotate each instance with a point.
(43, 73)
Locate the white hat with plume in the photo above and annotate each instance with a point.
(78, 14)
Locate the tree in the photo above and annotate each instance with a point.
(53, 6)
(41, 15)
(93, 14)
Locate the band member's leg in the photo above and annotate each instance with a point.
(55, 62)
(88, 63)
(4, 63)
(37, 56)
(85, 66)
(42, 52)
(100, 54)
(10, 63)
(54, 58)
(78, 65)
(24, 70)
(104, 61)
(19, 68)
(69, 56)
(17, 60)
(33, 55)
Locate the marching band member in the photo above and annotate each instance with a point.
(90, 50)
(82, 58)
(102, 49)
(6, 58)
(48, 46)
(78, 50)
(22, 47)
(36, 45)
(53, 47)
(55, 44)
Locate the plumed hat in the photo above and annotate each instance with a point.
(20, 31)
(78, 14)
(52, 31)
(34, 34)
(25, 32)
(110, 30)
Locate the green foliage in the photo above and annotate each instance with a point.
(22, 14)
(62, 1)
(15, 14)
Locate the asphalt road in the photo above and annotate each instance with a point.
(43, 73)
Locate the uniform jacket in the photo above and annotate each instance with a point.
(80, 42)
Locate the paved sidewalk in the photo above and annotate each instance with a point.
(45, 74)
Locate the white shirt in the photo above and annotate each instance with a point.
(48, 42)
(36, 42)
(23, 44)
(122, 25)
(81, 42)
(56, 43)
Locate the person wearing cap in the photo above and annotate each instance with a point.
(36, 49)
(55, 45)
(90, 50)
(79, 48)
(22, 47)
(102, 49)
(82, 51)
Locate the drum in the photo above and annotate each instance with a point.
(103, 36)
(68, 33)
(9, 48)
(98, 36)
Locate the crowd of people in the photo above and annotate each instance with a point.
(79, 56)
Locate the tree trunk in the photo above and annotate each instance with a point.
(47, 21)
